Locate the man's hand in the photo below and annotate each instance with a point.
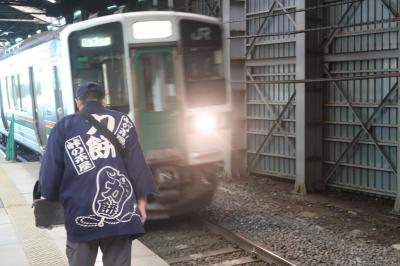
(142, 201)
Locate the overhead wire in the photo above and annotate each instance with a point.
(334, 27)
(280, 11)
(395, 74)
(283, 12)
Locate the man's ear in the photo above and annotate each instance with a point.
(78, 103)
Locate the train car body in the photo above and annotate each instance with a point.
(164, 69)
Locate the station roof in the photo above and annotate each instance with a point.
(20, 19)
(23, 18)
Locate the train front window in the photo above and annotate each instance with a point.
(203, 62)
(97, 54)
(158, 82)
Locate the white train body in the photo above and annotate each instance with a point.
(164, 69)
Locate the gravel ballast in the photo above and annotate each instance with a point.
(316, 229)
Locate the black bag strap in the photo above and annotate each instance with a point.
(36, 193)
(104, 130)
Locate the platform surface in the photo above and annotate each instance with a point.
(21, 243)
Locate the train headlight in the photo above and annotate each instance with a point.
(205, 122)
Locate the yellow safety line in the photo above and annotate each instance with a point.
(38, 247)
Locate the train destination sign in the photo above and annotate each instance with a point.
(98, 41)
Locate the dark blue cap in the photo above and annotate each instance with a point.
(87, 87)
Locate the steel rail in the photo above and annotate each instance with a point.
(248, 245)
(18, 157)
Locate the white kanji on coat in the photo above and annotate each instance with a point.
(73, 143)
(85, 166)
(81, 158)
(100, 148)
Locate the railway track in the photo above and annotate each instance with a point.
(196, 242)
(23, 154)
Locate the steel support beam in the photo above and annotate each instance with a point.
(308, 100)
(270, 11)
(270, 132)
(300, 183)
(269, 62)
(265, 99)
(346, 15)
(396, 208)
(235, 162)
(227, 62)
(286, 12)
(361, 123)
(388, 5)
(361, 132)
(34, 21)
(370, 55)
(213, 8)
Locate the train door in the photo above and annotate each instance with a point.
(57, 94)
(37, 117)
(2, 108)
(156, 92)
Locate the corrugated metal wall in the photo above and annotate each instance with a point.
(205, 7)
(352, 159)
(271, 58)
(362, 50)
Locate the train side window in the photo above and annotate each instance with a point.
(1, 94)
(24, 91)
(20, 93)
(16, 92)
(13, 92)
(7, 96)
(10, 92)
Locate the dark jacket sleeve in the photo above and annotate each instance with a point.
(138, 170)
(52, 165)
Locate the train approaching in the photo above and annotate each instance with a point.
(164, 69)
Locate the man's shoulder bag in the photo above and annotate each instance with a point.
(47, 213)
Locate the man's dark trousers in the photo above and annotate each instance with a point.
(116, 251)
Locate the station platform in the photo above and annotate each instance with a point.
(21, 243)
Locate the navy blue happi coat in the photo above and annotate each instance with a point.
(96, 185)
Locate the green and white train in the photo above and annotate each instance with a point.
(164, 69)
